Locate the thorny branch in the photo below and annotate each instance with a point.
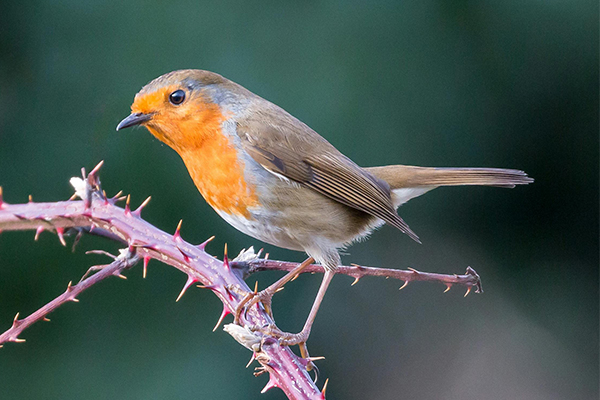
(97, 214)
(470, 279)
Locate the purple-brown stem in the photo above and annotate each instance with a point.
(70, 294)
(98, 214)
(101, 215)
(470, 279)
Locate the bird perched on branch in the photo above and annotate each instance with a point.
(277, 180)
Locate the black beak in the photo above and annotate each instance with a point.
(134, 119)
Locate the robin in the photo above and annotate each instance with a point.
(277, 180)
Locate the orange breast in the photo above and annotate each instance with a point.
(195, 132)
(219, 176)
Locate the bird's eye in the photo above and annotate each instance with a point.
(177, 97)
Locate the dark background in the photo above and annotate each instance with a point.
(435, 83)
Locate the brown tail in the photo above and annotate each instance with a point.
(405, 176)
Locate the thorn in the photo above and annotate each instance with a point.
(413, 270)
(224, 313)
(127, 208)
(15, 319)
(30, 198)
(1, 197)
(259, 253)
(356, 279)
(17, 340)
(447, 288)
(403, 286)
(225, 259)
(294, 278)
(324, 388)
(177, 234)
(256, 287)
(138, 211)
(113, 199)
(121, 276)
(46, 319)
(39, 230)
(146, 260)
(60, 232)
(468, 291)
(69, 285)
(271, 384)
(75, 300)
(202, 245)
(313, 359)
(190, 281)
(186, 257)
(266, 256)
(96, 168)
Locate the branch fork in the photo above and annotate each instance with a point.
(97, 214)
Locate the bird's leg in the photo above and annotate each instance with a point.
(288, 339)
(264, 296)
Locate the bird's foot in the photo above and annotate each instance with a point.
(289, 339)
(264, 296)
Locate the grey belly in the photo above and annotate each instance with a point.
(298, 218)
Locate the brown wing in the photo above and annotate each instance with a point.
(289, 148)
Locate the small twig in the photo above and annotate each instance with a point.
(127, 260)
(469, 279)
(99, 215)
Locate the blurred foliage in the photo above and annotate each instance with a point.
(441, 83)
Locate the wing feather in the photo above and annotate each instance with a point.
(293, 150)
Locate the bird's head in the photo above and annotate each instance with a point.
(184, 107)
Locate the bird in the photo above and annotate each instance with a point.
(275, 179)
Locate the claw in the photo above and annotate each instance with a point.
(251, 360)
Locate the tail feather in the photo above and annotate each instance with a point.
(404, 176)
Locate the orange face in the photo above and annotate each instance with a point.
(186, 120)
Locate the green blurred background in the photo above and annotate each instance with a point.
(436, 83)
